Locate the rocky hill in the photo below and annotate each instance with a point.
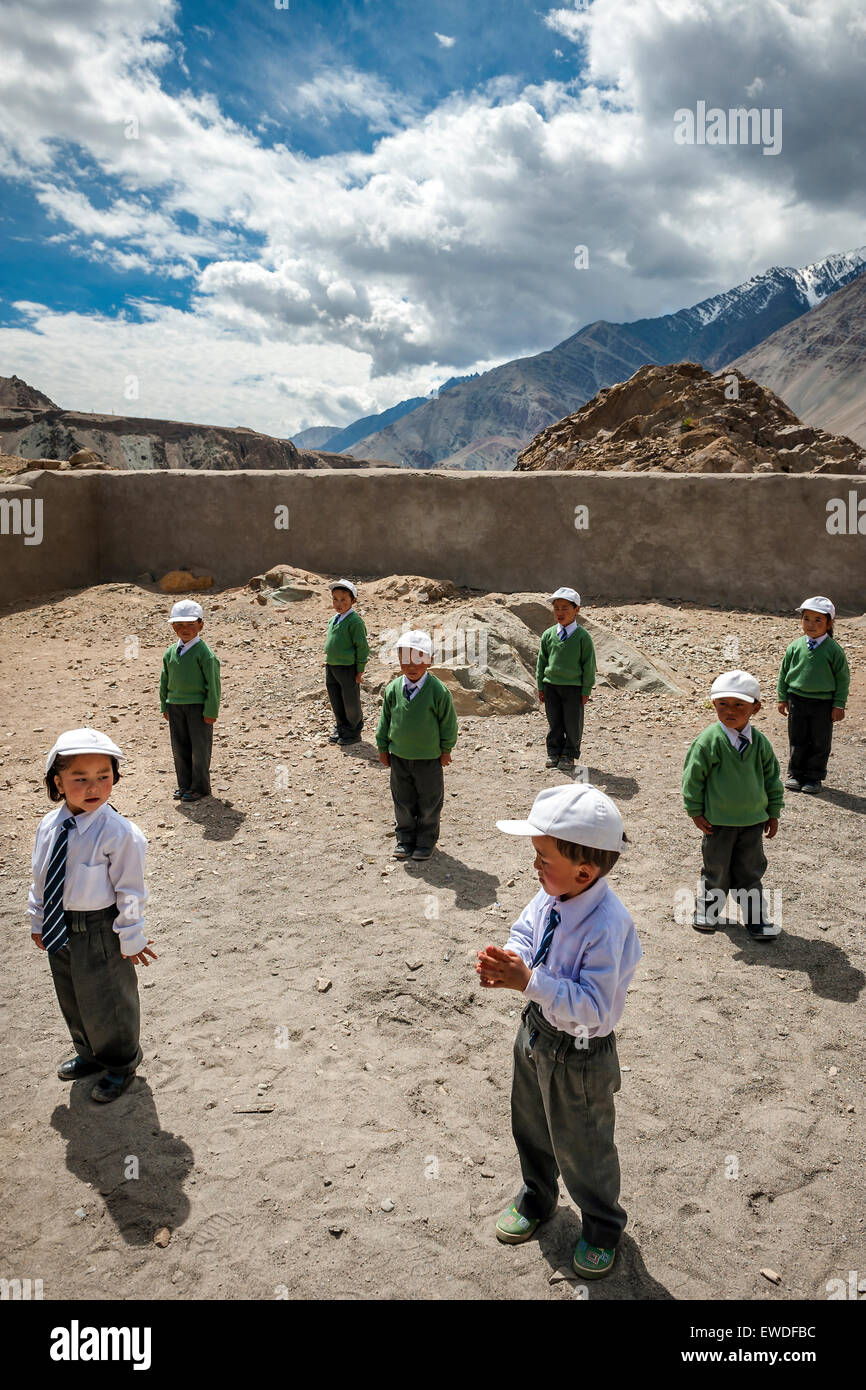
(33, 427)
(818, 362)
(679, 419)
(486, 421)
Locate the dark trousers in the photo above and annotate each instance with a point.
(810, 734)
(418, 789)
(97, 991)
(562, 1119)
(733, 861)
(344, 693)
(563, 705)
(191, 747)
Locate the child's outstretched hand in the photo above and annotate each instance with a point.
(141, 958)
(771, 827)
(502, 969)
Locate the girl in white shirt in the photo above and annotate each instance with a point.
(85, 908)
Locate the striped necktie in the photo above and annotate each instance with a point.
(812, 643)
(742, 744)
(54, 933)
(562, 634)
(542, 952)
(409, 689)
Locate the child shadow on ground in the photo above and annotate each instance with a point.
(218, 819)
(849, 801)
(472, 888)
(137, 1168)
(628, 1281)
(831, 974)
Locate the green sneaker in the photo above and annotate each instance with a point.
(514, 1229)
(592, 1261)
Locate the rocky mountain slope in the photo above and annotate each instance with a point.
(33, 427)
(818, 362)
(679, 419)
(482, 421)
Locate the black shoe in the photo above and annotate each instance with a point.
(421, 852)
(76, 1067)
(334, 737)
(764, 931)
(402, 852)
(353, 738)
(179, 794)
(109, 1087)
(703, 925)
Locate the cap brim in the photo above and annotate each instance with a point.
(518, 827)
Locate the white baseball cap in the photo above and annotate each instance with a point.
(818, 604)
(417, 642)
(344, 584)
(579, 813)
(571, 594)
(738, 684)
(186, 610)
(82, 741)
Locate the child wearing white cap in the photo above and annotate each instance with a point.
(417, 730)
(85, 906)
(812, 690)
(189, 696)
(346, 654)
(565, 675)
(572, 953)
(733, 792)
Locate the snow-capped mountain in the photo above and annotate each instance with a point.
(486, 421)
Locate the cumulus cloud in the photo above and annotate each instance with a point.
(445, 39)
(450, 242)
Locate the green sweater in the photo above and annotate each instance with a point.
(571, 662)
(729, 789)
(422, 727)
(191, 679)
(819, 675)
(346, 642)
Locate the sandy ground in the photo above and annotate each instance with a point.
(270, 1121)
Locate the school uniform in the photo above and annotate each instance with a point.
(732, 779)
(814, 679)
(103, 898)
(346, 654)
(565, 672)
(566, 1069)
(416, 726)
(189, 692)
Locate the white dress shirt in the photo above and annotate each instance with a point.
(418, 685)
(104, 865)
(594, 952)
(183, 647)
(734, 734)
(564, 632)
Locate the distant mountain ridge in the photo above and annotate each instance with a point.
(512, 403)
(817, 363)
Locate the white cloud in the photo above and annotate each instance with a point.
(450, 242)
(445, 39)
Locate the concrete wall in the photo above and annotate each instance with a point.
(748, 541)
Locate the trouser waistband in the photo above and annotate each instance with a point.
(90, 921)
(535, 1019)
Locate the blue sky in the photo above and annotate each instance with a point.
(288, 217)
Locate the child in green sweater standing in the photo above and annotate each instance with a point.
(565, 675)
(346, 653)
(189, 696)
(733, 792)
(812, 690)
(417, 730)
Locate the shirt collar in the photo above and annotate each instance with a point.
(418, 683)
(578, 908)
(185, 646)
(734, 734)
(338, 617)
(83, 819)
(572, 626)
(816, 640)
